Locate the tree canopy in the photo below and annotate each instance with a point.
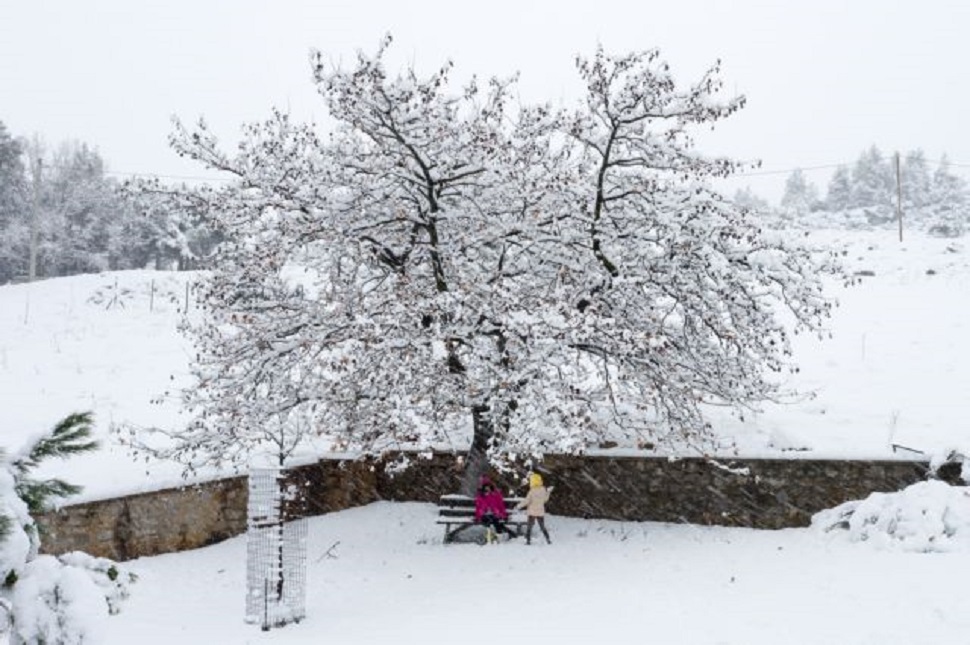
(447, 263)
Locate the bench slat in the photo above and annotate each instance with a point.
(470, 512)
(470, 517)
(469, 522)
(462, 501)
(456, 512)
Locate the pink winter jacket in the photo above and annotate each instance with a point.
(491, 502)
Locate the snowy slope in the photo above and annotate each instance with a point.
(895, 370)
(897, 365)
(94, 342)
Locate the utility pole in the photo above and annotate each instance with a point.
(38, 164)
(899, 198)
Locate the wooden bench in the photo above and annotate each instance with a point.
(459, 511)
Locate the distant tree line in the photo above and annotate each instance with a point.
(80, 220)
(865, 194)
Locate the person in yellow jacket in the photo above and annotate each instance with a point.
(535, 506)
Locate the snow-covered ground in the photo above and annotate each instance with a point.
(392, 581)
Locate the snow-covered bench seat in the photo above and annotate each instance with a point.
(458, 511)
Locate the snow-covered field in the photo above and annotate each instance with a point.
(103, 343)
(895, 371)
(392, 581)
(897, 366)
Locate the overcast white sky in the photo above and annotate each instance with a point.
(824, 78)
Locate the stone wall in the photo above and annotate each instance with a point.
(764, 494)
(758, 493)
(162, 521)
(176, 519)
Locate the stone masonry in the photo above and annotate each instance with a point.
(757, 493)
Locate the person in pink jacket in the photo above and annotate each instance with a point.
(535, 506)
(490, 508)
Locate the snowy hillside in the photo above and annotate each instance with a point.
(895, 370)
(94, 342)
(897, 365)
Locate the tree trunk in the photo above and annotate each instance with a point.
(477, 462)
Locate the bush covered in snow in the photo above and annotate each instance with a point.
(48, 600)
(930, 516)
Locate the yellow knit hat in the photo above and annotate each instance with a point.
(535, 480)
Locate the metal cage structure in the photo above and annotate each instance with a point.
(276, 551)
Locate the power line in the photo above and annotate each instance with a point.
(846, 164)
(754, 173)
(121, 173)
(150, 175)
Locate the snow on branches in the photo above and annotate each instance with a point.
(446, 267)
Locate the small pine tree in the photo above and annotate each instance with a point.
(747, 198)
(873, 186)
(916, 181)
(839, 195)
(947, 206)
(72, 436)
(801, 196)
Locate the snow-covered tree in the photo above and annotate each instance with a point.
(747, 198)
(873, 186)
(915, 181)
(682, 290)
(48, 600)
(165, 229)
(800, 196)
(948, 206)
(14, 224)
(80, 209)
(537, 280)
(839, 192)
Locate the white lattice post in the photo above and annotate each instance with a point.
(275, 554)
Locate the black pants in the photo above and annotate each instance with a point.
(542, 525)
(489, 520)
